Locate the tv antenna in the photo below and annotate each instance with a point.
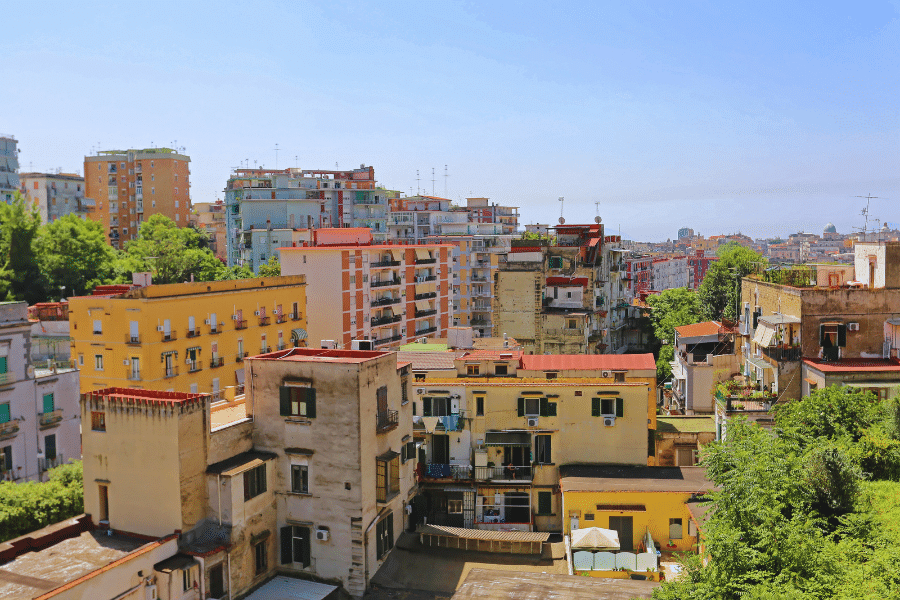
(562, 203)
(597, 218)
(276, 156)
(417, 182)
(445, 180)
(432, 181)
(865, 213)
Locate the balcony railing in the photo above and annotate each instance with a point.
(282, 346)
(425, 331)
(9, 429)
(426, 261)
(385, 301)
(426, 295)
(385, 320)
(782, 353)
(503, 473)
(168, 336)
(133, 339)
(171, 372)
(241, 356)
(386, 420)
(194, 366)
(48, 419)
(193, 332)
(240, 323)
(265, 320)
(280, 318)
(384, 263)
(216, 361)
(387, 340)
(45, 464)
(425, 313)
(264, 349)
(442, 471)
(294, 316)
(386, 283)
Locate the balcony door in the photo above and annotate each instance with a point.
(519, 456)
(440, 449)
(625, 528)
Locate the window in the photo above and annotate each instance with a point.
(186, 580)
(419, 376)
(254, 482)
(98, 362)
(298, 401)
(435, 407)
(295, 545)
(300, 479)
(98, 421)
(454, 507)
(545, 503)
(98, 326)
(542, 453)
(49, 404)
(675, 529)
(556, 262)
(387, 474)
(619, 377)
(404, 390)
(501, 369)
(6, 463)
(479, 406)
(552, 375)
(532, 407)
(216, 581)
(571, 324)
(4, 412)
(261, 559)
(384, 534)
(588, 516)
(409, 451)
(607, 407)
(472, 369)
(50, 447)
(81, 360)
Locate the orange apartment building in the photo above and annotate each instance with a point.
(357, 290)
(129, 186)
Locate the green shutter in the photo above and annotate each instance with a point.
(620, 407)
(822, 335)
(551, 409)
(595, 407)
(426, 406)
(286, 542)
(545, 503)
(544, 411)
(285, 404)
(48, 403)
(50, 447)
(521, 407)
(651, 442)
(842, 335)
(3, 364)
(311, 403)
(4, 412)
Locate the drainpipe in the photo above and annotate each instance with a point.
(228, 556)
(202, 577)
(366, 550)
(219, 493)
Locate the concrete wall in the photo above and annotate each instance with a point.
(517, 297)
(869, 308)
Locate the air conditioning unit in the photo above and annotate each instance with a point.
(420, 390)
(256, 313)
(853, 326)
(125, 362)
(361, 345)
(206, 322)
(532, 421)
(609, 421)
(322, 534)
(159, 328)
(275, 312)
(606, 374)
(234, 317)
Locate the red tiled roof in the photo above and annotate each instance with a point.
(699, 329)
(492, 355)
(585, 362)
(138, 396)
(582, 281)
(314, 354)
(850, 365)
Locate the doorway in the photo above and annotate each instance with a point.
(440, 449)
(625, 527)
(518, 507)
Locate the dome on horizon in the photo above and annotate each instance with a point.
(830, 228)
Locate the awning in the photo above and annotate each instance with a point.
(178, 561)
(759, 363)
(240, 463)
(298, 335)
(422, 254)
(300, 451)
(239, 376)
(168, 353)
(422, 305)
(595, 538)
(288, 587)
(764, 336)
(397, 254)
(893, 321)
(779, 320)
(507, 438)
(193, 349)
(389, 455)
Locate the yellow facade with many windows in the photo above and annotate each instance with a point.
(184, 337)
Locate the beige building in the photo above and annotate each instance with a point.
(492, 433)
(386, 294)
(704, 357)
(129, 186)
(209, 217)
(56, 195)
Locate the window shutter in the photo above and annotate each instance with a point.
(620, 407)
(595, 407)
(305, 557)
(822, 335)
(426, 406)
(4, 412)
(544, 411)
(48, 403)
(544, 503)
(756, 315)
(50, 447)
(521, 407)
(285, 403)
(286, 557)
(311, 403)
(842, 335)
(247, 475)
(551, 409)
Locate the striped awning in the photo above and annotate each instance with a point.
(507, 438)
(163, 356)
(298, 335)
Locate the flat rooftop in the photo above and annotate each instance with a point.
(136, 396)
(36, 573)
(686, 424)
(322, 355)
(488, 584)
(616, 478)
(855, 365)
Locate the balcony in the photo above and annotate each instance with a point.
(194, 366)
(264, 349)
(385, 320)
(426, 331)
(386, 420)
(280, 318)
(168, 336)
(193, 332)
(264, 321)
(442, 471)
(9, 429)
(240, 324)
(216, 327)
(385, 283)
(387, 340)
(426, 295)
(426, 261)
(384, 263)
(45, 464)
(216, 361)
(783, 353)
(385, 301)
(294, 316)
(49, 419)
(171, 372)
(425, 313)
(241, 356)
(503, 473)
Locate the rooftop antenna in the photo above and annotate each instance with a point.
(445, 181)
(562, 203)
(432, 181)
(296, 162)
(417, 182)
(865, 213)
(276, 156)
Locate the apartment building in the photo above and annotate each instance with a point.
(184, 337)
(482, 210)
(705, 355)
(39, 417)
(567, 297)
(9, 167)
(129, 186)
(56, 195)
(294, 199)
(361, 290)
(414, 218)
(493, 431)
(209, 217)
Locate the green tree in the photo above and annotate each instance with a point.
(670, 309)
(720, 290)
(20, 276)
(271, 268)
(238, 272)
(72, 252)
(173, 254)
(26, 507)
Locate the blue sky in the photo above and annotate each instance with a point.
(761, 118)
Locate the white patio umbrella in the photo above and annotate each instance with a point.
(595, 538)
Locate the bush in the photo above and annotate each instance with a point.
(26, 507)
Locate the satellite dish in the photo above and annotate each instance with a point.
(597, 219)
(562, 221)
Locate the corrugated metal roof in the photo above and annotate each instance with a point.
(479, 534)
(699, 329)
(286, 588)
(429, 361)
(587, 362)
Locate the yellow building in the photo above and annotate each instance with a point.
(634, 501)
(186, 337)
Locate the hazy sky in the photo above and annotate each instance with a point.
(765, 118)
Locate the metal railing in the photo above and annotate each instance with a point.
(426, 295)
(241, 356)
(506, 473)
(49, 418)
(426, 261)
(169, 336)
(385, 301)
(193, 332)
(171, 372)
(425, 313)
(389, 282)
(264, 349)
(294, 316)
(384, 263)
(240, 324)
(216, 361)
(385, 320)
(387, 340)
(445, 471)
(45, 464)
(265, 320)
(194, 366)
(781, 353)
(425, 331)
(386, 420)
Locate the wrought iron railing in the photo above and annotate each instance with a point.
(386, 420)
(506, 473)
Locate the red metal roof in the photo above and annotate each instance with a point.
(699, 329)
(314, 354)
(582, 281)
(137, 396)
(492, 355)
(585, 362)
(855, 365)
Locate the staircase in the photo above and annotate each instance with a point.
(356, 582)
